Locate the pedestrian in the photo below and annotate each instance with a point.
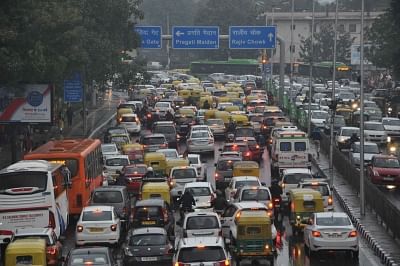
(70, 114)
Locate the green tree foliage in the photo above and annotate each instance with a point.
(46, 41)
(323, 45)
(384, 37)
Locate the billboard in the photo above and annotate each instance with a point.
(30, 103)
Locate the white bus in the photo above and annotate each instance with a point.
(33, 194)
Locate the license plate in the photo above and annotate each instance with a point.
(96, 230)
(335, 235)
(148, 222)
(149, 258)
(227, 179)
(388, 178)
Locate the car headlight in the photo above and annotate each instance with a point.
(388, 139)
(128, 252)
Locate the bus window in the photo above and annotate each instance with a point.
(285, 146)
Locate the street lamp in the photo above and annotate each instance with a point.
(311, 68)
(291, 46)
(362, 192)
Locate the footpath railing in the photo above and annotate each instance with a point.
(375, 198)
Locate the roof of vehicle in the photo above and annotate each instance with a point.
(26, 244)
(32, 231)
(110, 188)
(201, 241)
(150, 202)
(300, 193)
(193, 155)
(98, 207)
(31, 166)
(129, 115)
(244, 139)
(163, 123)
(182, 167)
(226, 154)
(366, 143)
(246, 164)
(244, 178)
(166, 150)
(241, 189)
(88, 250)
(314, 182)
(201, 213)
(156, 135)
(385, 156)
(250, 205)
(390, 118)
(108, 144)
(197, 184)
(122, 156)
(353, 128)
(235, 143)
(331, 214)
(148, 230)
(373, 122)
(296, 171)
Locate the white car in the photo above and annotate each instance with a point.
(223, 105)
(163, 107)
(98, 224)
(291, 177)
(195, 161)
(131, 122)
(375, 132)
(344, 135)
(169, 153)
(179, 177)
(370, 149)
(392, 126)
(202, 192)
(331, 231)
(318, 117)
(114, 164)
(200, 142)
(109, 149)
(197, 224)
(207, 251)
(322, 186)
(240, 181)
(201, 128)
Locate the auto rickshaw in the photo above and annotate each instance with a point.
(233, 94)
(30, 251)
(157, 161)
(120, 140)
(210, 114)
(347, 113)
(240, 119)
(185, 94)
(232, 108)
(302, 203)
(135, 152)
(205, 98)
(224, 115)
(155, 188)
(246, 168)
(253, 239)
(122, 111)
(171, 163)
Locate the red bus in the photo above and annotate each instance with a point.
(83, 158)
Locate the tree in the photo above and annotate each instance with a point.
(323, 45)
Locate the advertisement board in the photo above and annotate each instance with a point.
(30, 103)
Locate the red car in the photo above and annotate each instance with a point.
(255, 150)
(134, 174)
(241, 147)
(384, 170)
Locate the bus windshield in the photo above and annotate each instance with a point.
(23, 183)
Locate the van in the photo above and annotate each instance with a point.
(290, 149)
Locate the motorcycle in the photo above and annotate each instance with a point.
(277, 206)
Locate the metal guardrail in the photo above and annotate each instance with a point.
(375, 198)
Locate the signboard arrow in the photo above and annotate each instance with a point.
(179, 33)
(270, 36)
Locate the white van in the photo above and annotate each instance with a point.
(290, 149)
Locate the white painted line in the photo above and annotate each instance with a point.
(102, 125)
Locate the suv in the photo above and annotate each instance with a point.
(153, 142)
(116, 196)
(207, 250)
(198, 224)
(167, 128)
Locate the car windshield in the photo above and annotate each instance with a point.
(333, 221)
(128, 119)
(116, 131)
(374, 127)
(225, 165)
(347, 96)
(119, 139)
(322, 188)
(200, 191)
(201, 254)
(135, 170)
(169, 154)
(148, 240)
(339, 120)
(147, 212)
(391, 122)
(255, 194)
(109, 148)
(162, 105)
(202, 222)
(211, 122)
(107, 197)
(96, 215)
(386, 163)
(349, 132)
(199, 135)
(11, 183)
(244, 132)
(296, 178)
(89, 258)
(243, 183)
(117, 162)
(184, 173)
(153, 140)
(255, 118)
(165, 129)
(319, 115)
(367, 149)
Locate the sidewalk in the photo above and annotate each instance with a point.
(370, 227)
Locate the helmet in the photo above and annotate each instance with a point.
(149, 169)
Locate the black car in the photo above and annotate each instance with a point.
(148, 245)
(167, 128)
(90, 256)
(153, 213)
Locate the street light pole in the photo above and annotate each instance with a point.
(311, 68)
(291, 46)
(362, 192)
(333, 111)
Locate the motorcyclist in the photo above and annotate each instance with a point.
(169, 116)
(187, 201)
(275, 189)
(354, 138)
(206, 105)
(121, 180)
(149, 172)
(220, 203)
(231, 126)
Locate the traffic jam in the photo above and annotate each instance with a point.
(194, 172)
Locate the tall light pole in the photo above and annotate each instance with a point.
(311, 68)
(272, 51)
(333, 111)
(291, 45)
(362, 192)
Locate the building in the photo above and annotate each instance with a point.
(347, 22)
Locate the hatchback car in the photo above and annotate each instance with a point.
(254, 193)
(195, 161)
(179, 177)
(197, 224)
(98, 224)
(90, 256)
(240, 181)
(167, 128)
(147, 244)
(153, 142)
(224, 171)
(384, 170)
(330, 231)
(109, 149)
(200, 142)
(131, 122)
(113, 164)
(202, 192)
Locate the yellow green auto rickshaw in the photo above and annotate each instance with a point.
(246, 168)
(155, 188)
(302, 203)
(30, 251)
(157, 161)
(171, 163)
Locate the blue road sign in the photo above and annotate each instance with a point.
(252, 37)
(195, 37)
(73, 91)
(150, 36)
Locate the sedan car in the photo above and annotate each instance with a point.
(217, 127)
(131, 122)
(375, 132)
(200, 142)
(240, 181)
(109, 149)
(370, 149)
(195, 161)
(90, 256)
(331, 231)
(241, 147)
(148, 244)
(384, 170)
(98, 224)
(169, 153)
(202, 192)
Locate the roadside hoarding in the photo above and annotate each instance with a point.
(30, 103)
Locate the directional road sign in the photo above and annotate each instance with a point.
(150, 36)
(73, 91)
(195, 37)
(252, 37)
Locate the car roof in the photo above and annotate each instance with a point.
(108, 144)
(372, 122)
(88, 250)
(250, 205)
(242, 178)
(253, 187)
(193, 155)
(123, 156)
(201, 213)
(197, 184)
(390, 118)
(205, 240)
(232, 158)
(355, 128)
(94, 208)
(331, 214)
(148, 230)
(384, 156)
(366, 143)
(164, 123)
(110, 188)
(156, 135)
(150, 202)
(33, 231)
(297, 171)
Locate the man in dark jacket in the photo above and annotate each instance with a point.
(187, 201)
(220, 203)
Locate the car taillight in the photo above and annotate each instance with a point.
(330, 200)
(6, 233)
(270, 205)
(269, 213)
(51, 250)
(79, 228)
(283, 185)
(179, 264)
(223, 263)
(248, 153)
(113, 227)
(52, 221)
(257, 146)
(316, 233)
(353, 233)
(149, 115)
(277, 200)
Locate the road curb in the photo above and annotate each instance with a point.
(384, 257)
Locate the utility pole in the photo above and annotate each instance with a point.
(311, 69)
(362, 192)
(291, 45)
(168, 46)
